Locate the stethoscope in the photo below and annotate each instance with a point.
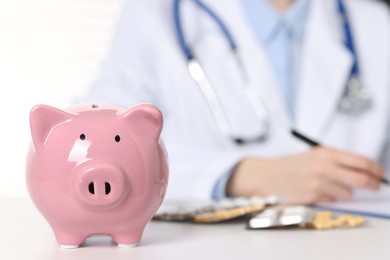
(354, 101)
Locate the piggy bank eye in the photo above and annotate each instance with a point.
(82, 137)
(117, 138)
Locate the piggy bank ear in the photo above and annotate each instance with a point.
(145, 119)
(42, 120)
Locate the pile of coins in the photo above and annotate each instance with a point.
(327, 220)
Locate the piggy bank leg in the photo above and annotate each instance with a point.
(128, 239)
(68, 240)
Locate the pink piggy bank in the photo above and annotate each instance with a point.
(97, 169)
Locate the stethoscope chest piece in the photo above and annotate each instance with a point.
(355, 99)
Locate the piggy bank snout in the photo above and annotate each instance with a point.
(100, 186)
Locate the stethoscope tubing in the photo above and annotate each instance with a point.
(348, 41)
(180, 32)
(350, 101)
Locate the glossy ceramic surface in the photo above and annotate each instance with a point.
(97, 169)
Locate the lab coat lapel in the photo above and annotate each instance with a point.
(326, 66)
(255, 60)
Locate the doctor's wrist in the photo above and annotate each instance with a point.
(241, 181)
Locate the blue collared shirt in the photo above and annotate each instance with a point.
(281, 36)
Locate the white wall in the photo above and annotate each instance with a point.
(49, 53)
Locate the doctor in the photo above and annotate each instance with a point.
(318, 66)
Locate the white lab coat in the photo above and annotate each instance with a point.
(145, 64)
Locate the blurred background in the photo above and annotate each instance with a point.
(50, 51)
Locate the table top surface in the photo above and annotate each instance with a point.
(26, 235)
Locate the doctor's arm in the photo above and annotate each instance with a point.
(319, 175)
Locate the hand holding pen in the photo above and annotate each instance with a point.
(313, 143)
(318, 175)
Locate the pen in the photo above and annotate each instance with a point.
(315, 143)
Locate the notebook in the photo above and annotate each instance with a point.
(373, 204)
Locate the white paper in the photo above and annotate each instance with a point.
(376, 204)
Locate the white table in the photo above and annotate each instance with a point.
(26, 235)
